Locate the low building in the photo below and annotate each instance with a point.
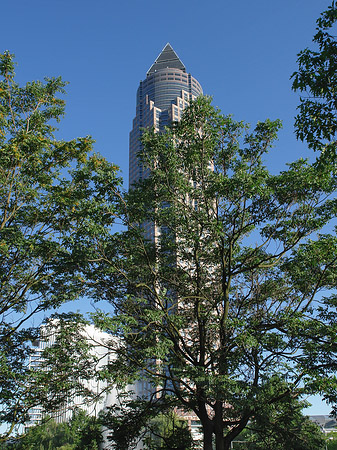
(326, 423)
(103, 395)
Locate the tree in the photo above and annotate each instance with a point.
(155, 423)
(82, 432)
(55, 199)
(316, 78)
(168, 432)
(65, 364)
(282, 426)
(232, 288)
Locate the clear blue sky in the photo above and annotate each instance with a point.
(242, 53)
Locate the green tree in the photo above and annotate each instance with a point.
(281, 425)
(227, 293)
(156, 423)
(168, 432)
(55, 200)
(128, 421)
(64, 365)
(316, 79)
(82, 432)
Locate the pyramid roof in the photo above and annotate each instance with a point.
(167, 58)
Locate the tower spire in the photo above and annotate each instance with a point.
(167, 58)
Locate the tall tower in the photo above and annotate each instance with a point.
(161, 98)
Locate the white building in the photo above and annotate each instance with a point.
(104, 395)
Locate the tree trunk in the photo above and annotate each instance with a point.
(220, 442)
(218, 426)
(208, 434)
(226, 444)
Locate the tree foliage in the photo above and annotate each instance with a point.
(222, 279)
(82, 432)
(55, 199)
(316, 80)
(65, 364)
(281, 425)
(155, 423)
(168, 432)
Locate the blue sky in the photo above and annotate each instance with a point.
(242, 53)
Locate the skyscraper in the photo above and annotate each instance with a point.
(161, 99)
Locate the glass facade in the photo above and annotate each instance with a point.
(161, 99)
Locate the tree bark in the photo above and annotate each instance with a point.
(220, 443)
(208, 434)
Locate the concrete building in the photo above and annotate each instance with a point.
(98, 341)
(327, 424)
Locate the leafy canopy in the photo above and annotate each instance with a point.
(82, 432)
(56, 198)
(316, 80)
(218, 281)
